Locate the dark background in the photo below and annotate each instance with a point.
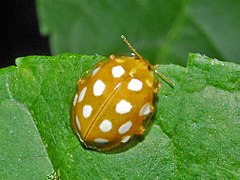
(19, 32)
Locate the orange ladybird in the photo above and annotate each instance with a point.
(113, 103)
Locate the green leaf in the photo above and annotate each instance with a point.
(195, 134)
(22, 152)
(201, 117)
(163, 31)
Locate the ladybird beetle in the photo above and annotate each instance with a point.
(114, 103)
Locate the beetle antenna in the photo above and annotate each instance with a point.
(154, 68)
(163, 77)
(131, 47)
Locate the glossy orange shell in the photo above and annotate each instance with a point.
(113, 102)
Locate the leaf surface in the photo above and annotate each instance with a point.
(195, 131)
(163, 31)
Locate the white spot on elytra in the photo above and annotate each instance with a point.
(75, 99)
(78, 123)
(98, 88)
(95, 71)
(135, 85)
(123, 107)
(100, 140)
(125, 127)
(87, 110)
(145, 110)
(82, 94)
(117, 71)
(106, 125)
(126, 139)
